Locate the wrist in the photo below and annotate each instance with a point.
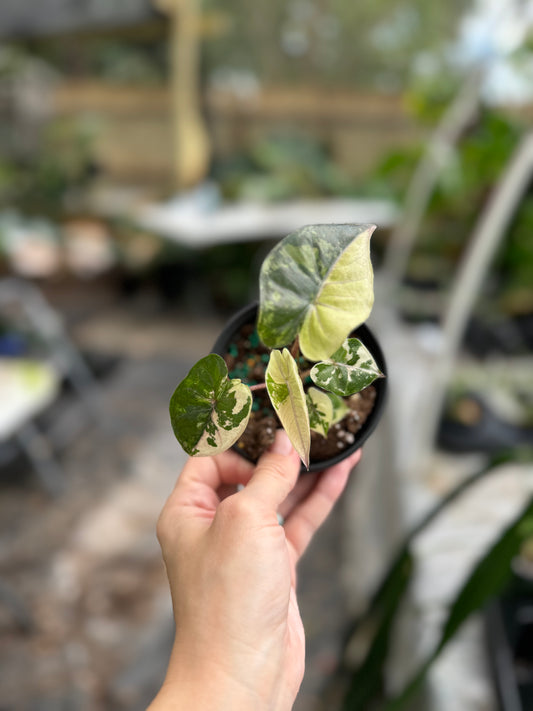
(208, 695)
(206, 686)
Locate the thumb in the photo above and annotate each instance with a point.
(276, 472)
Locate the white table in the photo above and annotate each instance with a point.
(191, 225)
(27, 387)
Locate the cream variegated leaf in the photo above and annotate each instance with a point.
(320, 409)
(316, 283)
(286, 392)
(340, 408)
(208, 411)
(350, 369)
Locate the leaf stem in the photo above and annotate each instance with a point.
(257, 386)
(295, 348)
(304, 373)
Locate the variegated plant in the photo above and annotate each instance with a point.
(316, 287)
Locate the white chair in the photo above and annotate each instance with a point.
(19, 408)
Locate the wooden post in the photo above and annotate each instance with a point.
(191, 148)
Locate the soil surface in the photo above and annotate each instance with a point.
(247, 359)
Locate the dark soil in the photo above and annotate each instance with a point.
(247, 359)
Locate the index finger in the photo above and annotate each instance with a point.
(276, 473)
(208, 474)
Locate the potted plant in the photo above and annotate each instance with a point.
(301, 359)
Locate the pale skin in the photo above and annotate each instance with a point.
(239, 642)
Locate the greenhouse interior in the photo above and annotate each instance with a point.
(156, 158)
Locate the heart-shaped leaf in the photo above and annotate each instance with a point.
(287, 395)
(350, 369)
(316, 283)
(208, 411)
(320, 410)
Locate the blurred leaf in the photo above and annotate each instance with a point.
(367, 683)
(340, 408)
(385, 601)
(487, 579)
(281, 167)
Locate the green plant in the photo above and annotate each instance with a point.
(465, 183)
(283, 166)
(316, 287)
(42, 182)
(488, 577)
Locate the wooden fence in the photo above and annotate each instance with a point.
(133, 125)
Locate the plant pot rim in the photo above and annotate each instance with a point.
(248, 315)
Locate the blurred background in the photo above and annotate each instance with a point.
(151, 153)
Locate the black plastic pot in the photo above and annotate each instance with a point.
(490, 434)
(363, 333)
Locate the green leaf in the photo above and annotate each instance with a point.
(286, 392)
(317, 283)
(487, 579)
(208, 411)
(320, 410)
(350, 369)
(340, 408)
(367, 682)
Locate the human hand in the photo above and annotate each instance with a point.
(232, 571)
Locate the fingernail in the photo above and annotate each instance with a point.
(282, 444)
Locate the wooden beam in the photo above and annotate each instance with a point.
(192, 150)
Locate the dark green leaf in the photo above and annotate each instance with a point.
(367, 682)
